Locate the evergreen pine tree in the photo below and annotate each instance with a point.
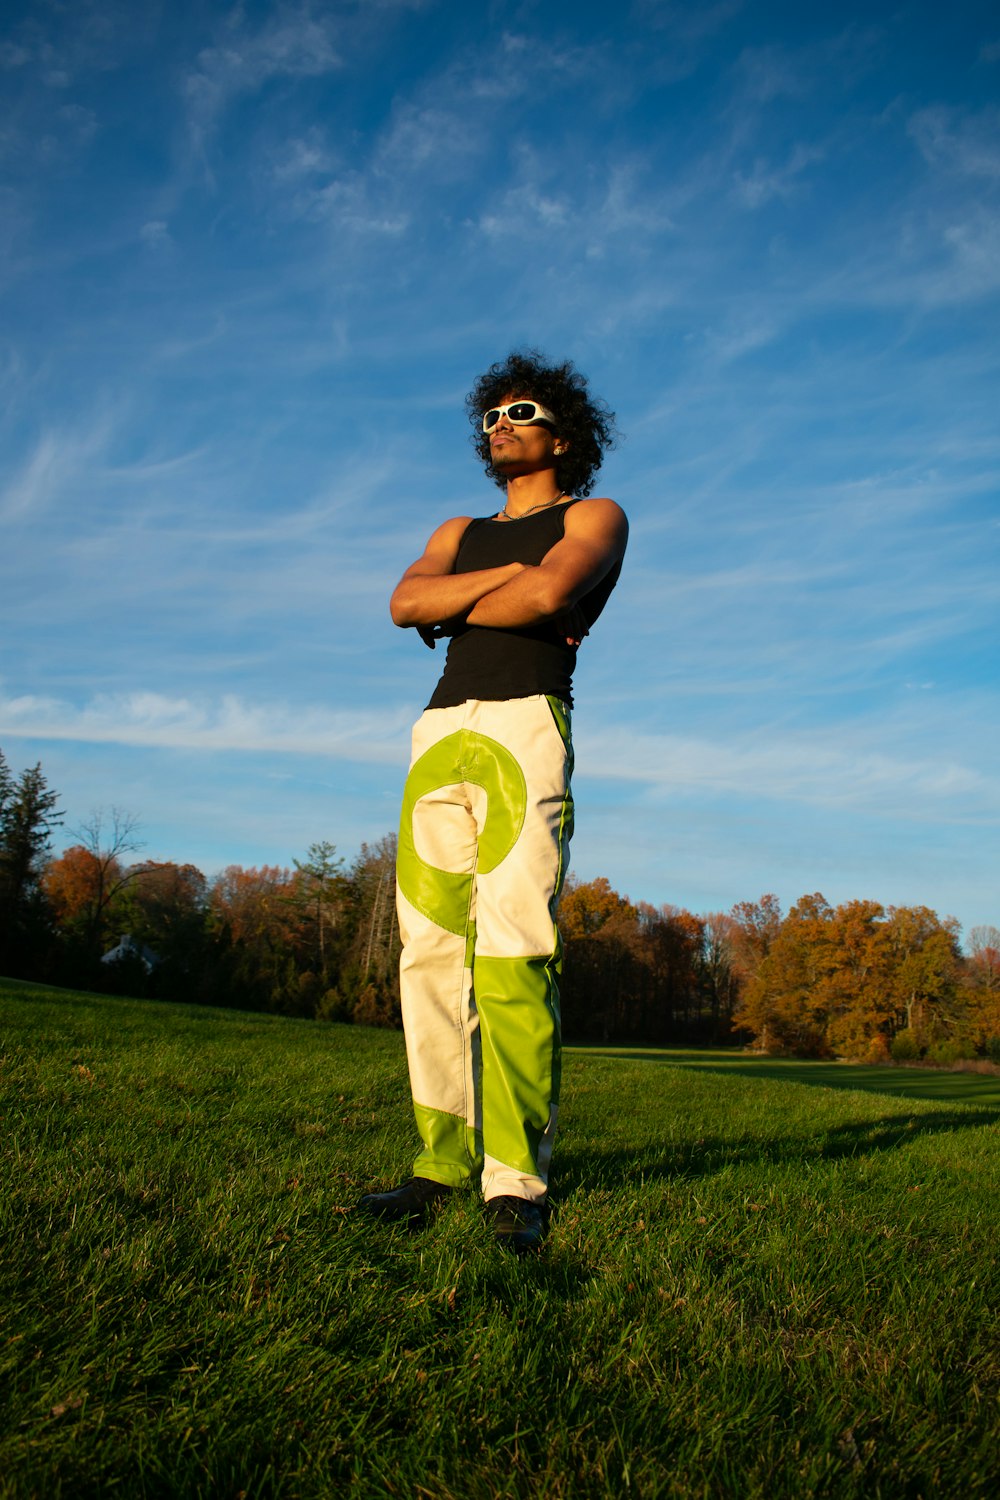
(27, 816)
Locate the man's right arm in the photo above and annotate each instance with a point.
(430, 592)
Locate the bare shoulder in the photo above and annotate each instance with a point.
(454, 526)
(597, 516)
(448, 536)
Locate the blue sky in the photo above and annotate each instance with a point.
(252, 257)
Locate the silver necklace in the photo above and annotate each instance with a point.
(542, 505)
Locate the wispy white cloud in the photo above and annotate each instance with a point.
(353, 204)
(800, 767)
(685, 32)
(304, 157)
(522, 210)
(740, 335)
(765, 181)
(155, 234)
(951, 259)
(689, 23)
(55, 463)
(291, 43)
(830, 63)
(79, 123)
(959, 141)
(29, 144)
(14, 55)
(229, 724)
(428, 139)
(59, 46)
(772, 72)
(634, 201)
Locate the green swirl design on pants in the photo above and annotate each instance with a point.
(442, 896)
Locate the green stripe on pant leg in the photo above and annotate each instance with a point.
(555, 973)
(517, 1001)
(448, 1142)
(563, 716)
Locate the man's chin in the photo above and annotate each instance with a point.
(509, 463)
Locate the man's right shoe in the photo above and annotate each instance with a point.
(517, 1224)
(407, 1203)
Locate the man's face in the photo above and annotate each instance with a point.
(519, 449)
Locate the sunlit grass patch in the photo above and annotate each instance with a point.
(753, 1285)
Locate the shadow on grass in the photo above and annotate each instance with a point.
(585, 1166)
(928, 1084)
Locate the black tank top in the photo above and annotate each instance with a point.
(496, 664)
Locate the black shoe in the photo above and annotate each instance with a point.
(410, 1201)
(517, 1223)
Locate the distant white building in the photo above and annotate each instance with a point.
(128, 948)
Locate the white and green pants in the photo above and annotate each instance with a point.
(484, 835)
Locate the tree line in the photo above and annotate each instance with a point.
(320, 939)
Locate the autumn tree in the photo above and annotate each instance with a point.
(982, 984)
(756, 924)
(367, 990)
(781, 1005)
(720, 980)
(926, 973)
(854, 994)
(165, 909)
(587, 907)
(636, 972)
(259, 936)
(599, 930)
(668, 950)
(984, 950)
(846, 980)
(87, 883)
(73, 883)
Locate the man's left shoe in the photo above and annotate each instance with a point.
(406, 1204)
(518, 1224)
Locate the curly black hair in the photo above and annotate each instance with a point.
(584, 421)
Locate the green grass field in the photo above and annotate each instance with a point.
(760, 1281)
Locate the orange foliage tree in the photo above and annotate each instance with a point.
(983, 989)
(721, 985)
(82, 887)
(598, 929)
(636, 972)
(256, 919)
(87, 882)
(845, 980)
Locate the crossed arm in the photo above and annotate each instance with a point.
(430, 593)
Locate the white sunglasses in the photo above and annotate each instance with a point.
(521, 413)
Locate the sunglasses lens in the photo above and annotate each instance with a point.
(516, 411)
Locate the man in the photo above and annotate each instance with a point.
(487, 812)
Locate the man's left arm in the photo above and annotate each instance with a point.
(594, 541)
